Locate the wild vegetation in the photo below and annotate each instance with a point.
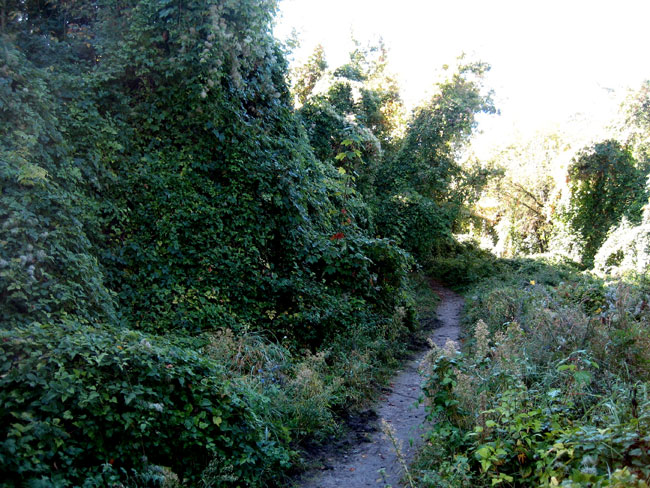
(192, 278)
(550, 387)
(173, 254)
(207, 258)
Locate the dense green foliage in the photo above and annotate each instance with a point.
(551, 389)
(627, 248)
(518, 211)
(424, 189)
(197, 276)
(604, 184)
(413, 182)
(85, 405)
(551, 196)
(49, 181)
(358, 104)
(157, 187)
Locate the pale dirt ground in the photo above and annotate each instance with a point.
(361, 465)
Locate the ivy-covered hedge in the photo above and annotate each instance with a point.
(85, 405)
(155, 184)
(50, 178)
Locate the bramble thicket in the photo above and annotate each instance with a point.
(207, 258)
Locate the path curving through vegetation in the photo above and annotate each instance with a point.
(373, 461)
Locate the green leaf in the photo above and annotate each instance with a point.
(484, 452)
(564, 367)
(129, 398)
(582, 377)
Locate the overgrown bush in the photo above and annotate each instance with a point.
(626, 249)
(605, 183)
(156, 180)
(422, 188)
(49, 181)
(84, 405)
(550, 389)
(460, 264)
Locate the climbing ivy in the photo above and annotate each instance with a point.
(157, 185)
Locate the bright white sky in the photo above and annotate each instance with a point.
(552, 60)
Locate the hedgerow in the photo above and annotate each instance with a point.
(88, 405)
(157, 190)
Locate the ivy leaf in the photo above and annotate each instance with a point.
(484, 452)
(129, 398)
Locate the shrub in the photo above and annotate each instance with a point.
(461, 263)
(550, 389)
(605, 183)
(626, 249)
(84, 405)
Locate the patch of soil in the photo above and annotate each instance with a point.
(357, 427)
(367, 457)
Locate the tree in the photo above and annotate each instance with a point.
(605, 184)
(437, 131)
(358, 102)
(521, 204)
(425, 173)
(307, 76)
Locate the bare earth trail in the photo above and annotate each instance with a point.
(361, 465)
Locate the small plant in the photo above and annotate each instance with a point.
(389, 431)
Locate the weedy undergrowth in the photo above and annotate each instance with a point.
(551, 387)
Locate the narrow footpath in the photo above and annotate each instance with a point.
(374, 462)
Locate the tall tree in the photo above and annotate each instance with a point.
(438, 130)
(524, 199)
(605, 184)
(422, 185)
(359, 103)
(306, 77)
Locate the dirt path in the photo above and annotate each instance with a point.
(374, 462)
